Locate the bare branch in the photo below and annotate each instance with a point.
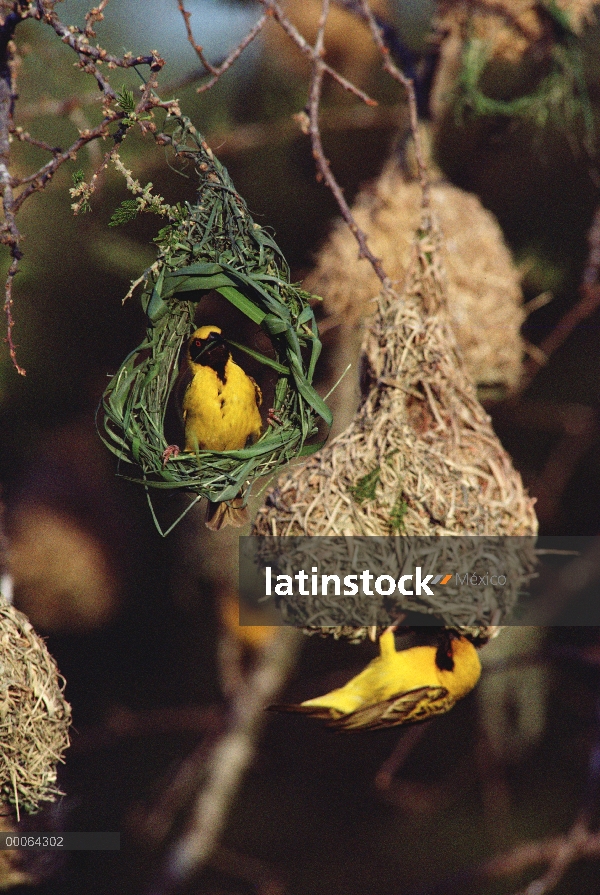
(588, 303)
(323, 164)
(9, 233)
(273, 8)
(408, 85)
(217, 70)
(227, 764)
(558, 853)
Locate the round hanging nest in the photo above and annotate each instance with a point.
(485, 301)
(420, 459)
(34, 715)
(213, 246)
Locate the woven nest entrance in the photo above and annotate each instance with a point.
(214, 246)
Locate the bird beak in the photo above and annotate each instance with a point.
(211, 341)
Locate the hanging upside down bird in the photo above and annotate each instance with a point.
(399, 687)
(220, 411)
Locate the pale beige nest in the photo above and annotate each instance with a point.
(62, 577)
(349, 46)
(437, 464)
(483, 289)
(34, 715)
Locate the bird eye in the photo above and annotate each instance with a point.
(198, 343)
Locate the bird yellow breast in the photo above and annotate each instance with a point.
(393, 673)
(220, 416)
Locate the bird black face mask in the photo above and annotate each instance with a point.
(210, 351)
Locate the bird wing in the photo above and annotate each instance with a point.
(414, 705)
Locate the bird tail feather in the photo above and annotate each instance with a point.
(299, 709)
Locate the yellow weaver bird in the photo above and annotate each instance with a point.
(220, 410)
(399, 687)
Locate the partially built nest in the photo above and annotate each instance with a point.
(213, 246)
(34, 715)
(485, 301)
(514, 43)
(512, 28)
(421, 459)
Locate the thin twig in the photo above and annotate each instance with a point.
(323, 165)
(227, 764)
(588, 304)
(409, 87)
(274, 9)
(10, 235)
(16, 190)
(310, 124)
(217, 70)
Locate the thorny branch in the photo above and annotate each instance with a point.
(274, 9)
(323, 166)
(217, 70)
(16, 190)
(91, 57)
(309, 119)
(9, 233)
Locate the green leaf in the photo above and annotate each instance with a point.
(127, 211)
(242, 303)
(311, 397)
(156, 307)
(274, 325)
(201, 269)
(261, 358)
(126, 101)
(305, 315)
(366, 486)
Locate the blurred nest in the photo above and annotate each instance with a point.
(213, 246)
(483, 290)
(348, 45)
(513, 58)
(421, 459)
(34, 715)
(63, 579)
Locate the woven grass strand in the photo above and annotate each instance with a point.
(213, 245)
(436, 457)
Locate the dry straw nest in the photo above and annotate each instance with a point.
(484, 295)
(34, 715)
(420, 458)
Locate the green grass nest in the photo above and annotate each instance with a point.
(213, 245)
